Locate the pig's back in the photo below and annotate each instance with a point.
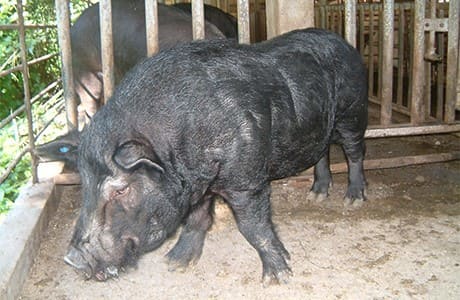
(216, 96)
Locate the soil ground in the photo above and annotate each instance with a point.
(403, 243)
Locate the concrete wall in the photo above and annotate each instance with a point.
(287, 15)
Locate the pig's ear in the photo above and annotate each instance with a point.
(63, 148)
(135, 154)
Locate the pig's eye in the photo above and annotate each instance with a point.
(120, 192)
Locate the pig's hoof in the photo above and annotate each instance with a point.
(353, 203)
(316, 197)
(280, 277)
(355, 197)
(180, 265)
(177, 267)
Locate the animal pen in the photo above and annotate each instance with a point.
(411, 49)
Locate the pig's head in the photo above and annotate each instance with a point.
(63, 148)
(132, 202)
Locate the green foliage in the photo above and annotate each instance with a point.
(13, 137)
(10, 188)
(39, 42)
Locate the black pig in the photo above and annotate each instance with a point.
(215, 118)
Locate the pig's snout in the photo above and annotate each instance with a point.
(75, 258)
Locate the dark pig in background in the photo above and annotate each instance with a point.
(225, 22)
(130, 46)
(215, 118)
(129, 38)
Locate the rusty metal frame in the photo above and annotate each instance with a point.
(412, 102)
(25, 77)
(29, 63)
(416, 106)
(453, 63)
(26, 108)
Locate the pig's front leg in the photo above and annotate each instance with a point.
(253, 216)
(188, 248)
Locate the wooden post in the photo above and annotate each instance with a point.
(198, 19)
(387, 62)
(418, 66)
(151, 27)
(63, 26)
(105, 17)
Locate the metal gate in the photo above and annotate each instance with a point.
(411, 50)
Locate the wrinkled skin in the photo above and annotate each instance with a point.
(225, 121)
(128, 17)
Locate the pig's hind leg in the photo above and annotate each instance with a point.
(253, 216)
(354, 149)
(322, 180)
(188, 248)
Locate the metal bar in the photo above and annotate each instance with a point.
(29, 63)
(431, 49)
(151, 27)
(244, 36)
(397, 108)
(401, 44)
(379, 51)
(63, 21)
(418, 66)
(341, 11)
(408, 129)
(441, 71)
(370, 64)
(377, 164)
(453, 64)
(410, 59)
(108, 76)
(25, 75)
(362, 29)
(331, 14)
(32, 101)
(387, 62)
(323, 17)
(28, 26)
(350, 22)
(198, 19)
(430, 52)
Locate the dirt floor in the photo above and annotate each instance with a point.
(404, 243)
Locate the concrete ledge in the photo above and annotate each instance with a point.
(21, 232)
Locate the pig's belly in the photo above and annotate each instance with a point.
(289, 157)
